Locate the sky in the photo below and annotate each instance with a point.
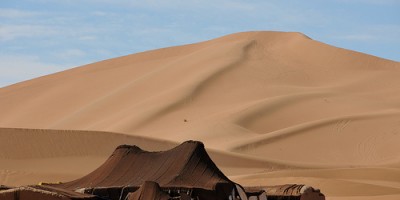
(39, 37)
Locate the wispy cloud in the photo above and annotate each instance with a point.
(15, 13)
(10, 32)
(70, 54)
(372, 34)
(16, 68)
(357, 37)
(100, 13)
(181, 4)
(87, 37)
(374, 2)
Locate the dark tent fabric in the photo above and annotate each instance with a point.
(187, 165)
(148, 191)
(184, 172)
(42, 193)
(4, 187)
(289, 192)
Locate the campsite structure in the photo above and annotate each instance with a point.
(185, 172)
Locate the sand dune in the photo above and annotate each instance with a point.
(33, 155)
(264, 104)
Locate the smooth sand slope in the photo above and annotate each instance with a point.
(273, 107)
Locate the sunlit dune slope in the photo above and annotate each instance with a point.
(32, 155)
(271, 107)
(258, 93)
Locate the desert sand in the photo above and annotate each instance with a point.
(270, 107)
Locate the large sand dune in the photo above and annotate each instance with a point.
(272, 108)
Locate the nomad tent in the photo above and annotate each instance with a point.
(186, 168)
(185, 172)
(287, 192)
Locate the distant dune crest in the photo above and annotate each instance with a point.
(278, 100)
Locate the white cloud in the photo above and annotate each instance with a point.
(171, 4)
(376, 2)
(14, 13)
(70, 54)
(372, 33)
(87, 37)
(100, 13)
(357, 37)
(10, 32)
(17, 68)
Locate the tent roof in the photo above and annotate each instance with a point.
(187, 165)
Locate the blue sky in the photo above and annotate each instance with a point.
(39, 37)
